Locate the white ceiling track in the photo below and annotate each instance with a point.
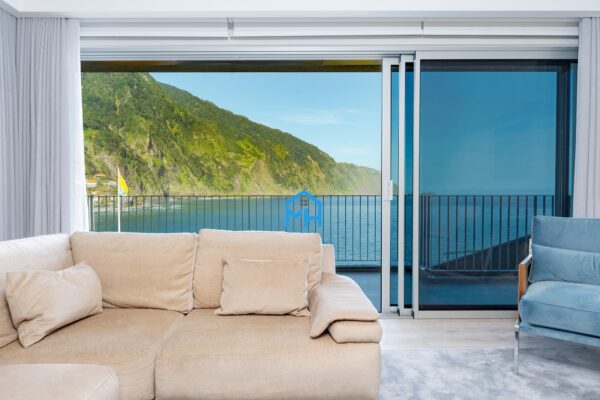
(255, 38)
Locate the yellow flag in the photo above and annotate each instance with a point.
(121, 185)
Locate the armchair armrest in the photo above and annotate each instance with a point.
(338, 298)
(524, 268)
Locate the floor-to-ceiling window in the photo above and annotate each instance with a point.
(227, 145)
(495, 149)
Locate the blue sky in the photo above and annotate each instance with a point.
(338, 112)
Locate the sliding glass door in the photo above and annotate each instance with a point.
(423, 172)
(400, 150)
(494, 149)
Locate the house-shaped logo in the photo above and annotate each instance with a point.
(305, 198)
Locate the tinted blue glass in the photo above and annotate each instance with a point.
(490, 134)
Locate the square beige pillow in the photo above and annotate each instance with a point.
(40, 302)
(272, 287)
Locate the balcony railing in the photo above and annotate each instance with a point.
(351, 223)
(476, 233)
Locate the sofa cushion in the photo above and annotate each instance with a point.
(50, 252)
(556, 264)
(264, 287)
(581, 234)
(40, 302)
(573, 307)
(355, 331)
(338, 298)
(58, 381)
(262, 357)
(328, 259)
(214, 246)
(126, 339)
(140, 269)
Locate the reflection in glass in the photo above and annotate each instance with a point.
(494, 151)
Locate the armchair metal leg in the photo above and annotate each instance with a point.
(516, 350)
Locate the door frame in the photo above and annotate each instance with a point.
(387, 189)
(387, 185)
(456, 55)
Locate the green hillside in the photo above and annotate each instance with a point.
(167, 141)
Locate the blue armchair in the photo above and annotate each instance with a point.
(559, 282)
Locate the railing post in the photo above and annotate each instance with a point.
(91, 211)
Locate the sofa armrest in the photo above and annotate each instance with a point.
(338, 298)
(328, 258)
(524, 268)
(356, 331)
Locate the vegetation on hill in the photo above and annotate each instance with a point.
(166, 141)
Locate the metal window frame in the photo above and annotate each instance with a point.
(386, 189)
(400, 58)
(402, 134)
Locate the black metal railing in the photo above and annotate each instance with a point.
(457, 232)
(477, 232)
(352, 223)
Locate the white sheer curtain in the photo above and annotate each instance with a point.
(586, 190)
(8, 125)
(44, 177)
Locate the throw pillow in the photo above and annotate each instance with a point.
(40, 302)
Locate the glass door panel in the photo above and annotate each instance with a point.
(494, 151)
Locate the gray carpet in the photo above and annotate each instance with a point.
(563, 372)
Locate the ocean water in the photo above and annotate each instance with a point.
(451, 226)
(351, 223)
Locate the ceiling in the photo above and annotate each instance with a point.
(169, 9)
(224, 29)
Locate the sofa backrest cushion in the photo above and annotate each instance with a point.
(566, 249)
(214, 246)
(49, 252)
(140, 270)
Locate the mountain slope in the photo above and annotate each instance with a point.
(167, 141)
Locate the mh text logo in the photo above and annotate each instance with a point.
(304, 198)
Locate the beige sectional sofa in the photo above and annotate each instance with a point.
(159, 332)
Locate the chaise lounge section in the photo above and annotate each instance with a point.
(159, 331)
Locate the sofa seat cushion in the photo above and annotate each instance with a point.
(126, 339)
(58, 381)
(262, 357)
(572, 307)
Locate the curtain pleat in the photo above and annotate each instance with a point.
(45, 179)
(586, 189)
(11, 223)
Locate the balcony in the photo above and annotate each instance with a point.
(464, 239)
